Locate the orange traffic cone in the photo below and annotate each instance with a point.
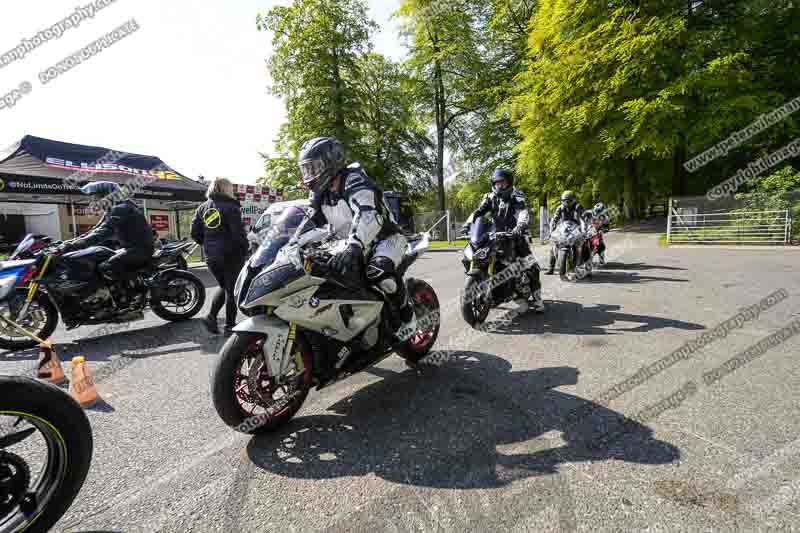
(50, 365)
(81, 386)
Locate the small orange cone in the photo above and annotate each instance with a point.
(81, 386)
(50, 365)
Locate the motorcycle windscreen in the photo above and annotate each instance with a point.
(278, 235)
(479, 232)
(24, 246)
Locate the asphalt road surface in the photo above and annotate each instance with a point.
(487, 440)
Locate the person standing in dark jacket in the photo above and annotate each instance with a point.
(217, 226)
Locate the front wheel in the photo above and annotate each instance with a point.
(44, 456)
(245, 395)
(475, 302)
(562, 263)
(41, 320)
(426, 309)
(179, 296)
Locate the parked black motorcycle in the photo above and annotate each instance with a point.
(494, 276)
(45, 453)
(34, 292)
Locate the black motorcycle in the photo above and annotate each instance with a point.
(494, 273)
(45, 453)
(34, 292)
(168, 254)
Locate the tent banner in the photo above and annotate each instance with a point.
(32, 185)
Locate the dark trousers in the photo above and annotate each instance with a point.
(524, 250)
(125, 264)
(225, 272)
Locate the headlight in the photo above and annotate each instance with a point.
(7, 284)
(271, 281)
(482, 254)
(468, 253)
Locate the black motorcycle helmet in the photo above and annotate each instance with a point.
(568, 199)
(320, 160)
(503, 175)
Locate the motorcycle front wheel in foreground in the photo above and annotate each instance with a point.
(41, 320)
(475, 302)
(561, 264)
(246, 397)
(426, 309)
(42, 422)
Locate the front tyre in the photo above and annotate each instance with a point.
(246, 397)
(561, 263)
(475, 302)
(179, 296)
(426, 309)
(44, 456)
(41, 320)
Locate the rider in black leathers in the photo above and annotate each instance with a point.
(509, 212)
(570, 209)
(123, 222)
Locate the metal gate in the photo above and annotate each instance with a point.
(687, 225)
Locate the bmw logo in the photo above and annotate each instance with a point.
(314, 301)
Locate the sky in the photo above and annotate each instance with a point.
(189, 86)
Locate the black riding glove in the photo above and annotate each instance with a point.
(347, 262)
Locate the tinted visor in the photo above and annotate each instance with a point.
(311, 169)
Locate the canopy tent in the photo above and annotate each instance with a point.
(42, 167)
(42, 171)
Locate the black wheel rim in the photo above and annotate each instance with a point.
(52, 471)
(185, 297)
(259, 398)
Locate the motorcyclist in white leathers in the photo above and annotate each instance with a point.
(344, 197)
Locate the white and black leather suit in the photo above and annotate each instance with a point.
(575, 213)
(358, 212)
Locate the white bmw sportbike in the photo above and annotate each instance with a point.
(308, 327)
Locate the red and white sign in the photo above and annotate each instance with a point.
(159, 222)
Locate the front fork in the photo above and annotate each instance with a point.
(33, 288)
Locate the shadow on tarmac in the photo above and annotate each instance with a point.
(572, 318)
(442, 428)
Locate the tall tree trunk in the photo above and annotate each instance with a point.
(338, 100)
(439, 105)
(631, 204)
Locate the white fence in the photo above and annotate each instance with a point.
(687, 225)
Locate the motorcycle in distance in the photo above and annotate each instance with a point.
(493, 275)
(594, 238)
(45, 453)
(573, 261)
(308, 326)
(34, 292)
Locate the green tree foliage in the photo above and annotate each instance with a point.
(446, 59)
(333, 85)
